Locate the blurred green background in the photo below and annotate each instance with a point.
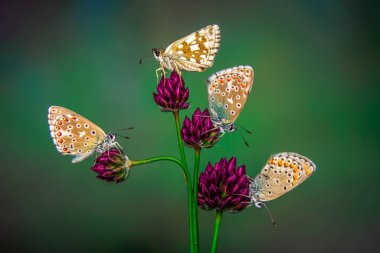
(316, 92)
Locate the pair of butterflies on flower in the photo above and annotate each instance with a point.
(228, 91)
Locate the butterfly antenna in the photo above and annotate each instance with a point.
(142, 59)
(125, 137)
(242, 136)
(128, 128)
(245, 129)
(274, 223)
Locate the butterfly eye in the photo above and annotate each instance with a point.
(156, 52)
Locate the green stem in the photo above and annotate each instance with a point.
(192, 231)
(160, 158)
(180, 142)
(218, 219)
(188, 183)
(197, 157)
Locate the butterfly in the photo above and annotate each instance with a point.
(75, 135)
(228, 91)
(195, 52)
(282, 173)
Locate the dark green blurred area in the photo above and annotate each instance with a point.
(316, 92)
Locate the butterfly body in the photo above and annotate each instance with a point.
(195, 52)
(228, 91)
(282, 173)
(75, 135)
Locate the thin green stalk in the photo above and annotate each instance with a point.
(188, 183)
(160, 158)
(180, 142)
(218, 219)
(197, 157)
(192, 231)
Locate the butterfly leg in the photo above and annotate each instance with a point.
(212, 129)
(179, 72)
(163, 72)
(202, 116)
(223, 133)
(117, 145)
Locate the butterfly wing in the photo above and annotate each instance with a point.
(196, 51)
(228, 91)
(73, 134)
(282, 173)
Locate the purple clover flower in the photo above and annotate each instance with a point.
(112, 165)
(171, 93)
(199, 132)
(224, 186)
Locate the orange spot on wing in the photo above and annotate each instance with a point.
(286, 164)
(280, 163)
(295, 177)
(307, 169)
